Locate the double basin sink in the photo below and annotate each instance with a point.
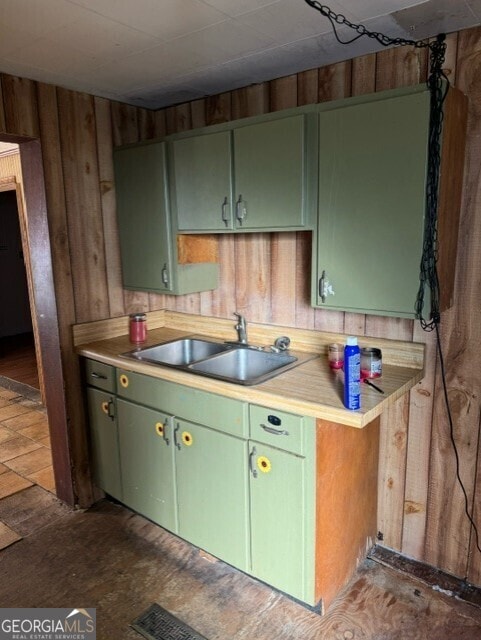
(240, 364)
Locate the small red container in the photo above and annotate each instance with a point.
(371, 363)
(335, 353)
(138, 328)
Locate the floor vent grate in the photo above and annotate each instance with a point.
(158, 624)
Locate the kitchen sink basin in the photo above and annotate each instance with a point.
(244, 366)
(179, 352)
(231, 362)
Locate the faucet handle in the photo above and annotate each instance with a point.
(241, 328)
(282, 343)
(239, 317)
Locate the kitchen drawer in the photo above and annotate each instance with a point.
(277, 428)
(201, 407)
(100, 375)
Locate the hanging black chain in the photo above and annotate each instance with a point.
(428, 276)
(438, 86)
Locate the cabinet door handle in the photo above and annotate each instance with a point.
(252, 468)
(169, 423)
(176, 431)
(111, 409)
(225, 212)
(325, 287)
(322, 292)
(165, 275)
(99, 376)
(240, 210)
(275, 432)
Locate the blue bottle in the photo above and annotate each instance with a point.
(352, 374)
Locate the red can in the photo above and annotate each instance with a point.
(138, 328)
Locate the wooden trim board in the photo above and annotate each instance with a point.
(346, 503)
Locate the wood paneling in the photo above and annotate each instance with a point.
(107, 200)
(82, 197)
(449, 539)
(264, 276)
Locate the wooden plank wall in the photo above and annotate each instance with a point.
(421, 509)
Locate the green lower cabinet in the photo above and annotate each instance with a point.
(249, 502)
(104, 442)
(212, 492)
(282, 539)
(147, 461)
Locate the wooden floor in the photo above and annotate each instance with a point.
(17, 359)
(119, 563)
(25, 453)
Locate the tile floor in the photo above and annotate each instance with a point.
(25, 455)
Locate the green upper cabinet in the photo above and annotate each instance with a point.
(202, 190)
(247, 176)
(144, 229)
(270, 166)
(148, 248)
(372, 175)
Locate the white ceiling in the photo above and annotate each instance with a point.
(154, 53)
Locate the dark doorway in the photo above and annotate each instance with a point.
(17, 346)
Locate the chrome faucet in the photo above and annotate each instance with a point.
(241, 328)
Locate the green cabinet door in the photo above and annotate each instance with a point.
(104, 443)
(212, 491)
(282, 542)
(201, 182)
(144, 226)
(372, 172)
(245, 176)
(147, 460)
(270, 174)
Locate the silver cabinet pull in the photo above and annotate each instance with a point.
(252, 469)
(168, 423)
(99, 376)
(111, 409)
(240, 210)
(322, 292)
(165, 275)
(225, 212)
(325, 287)
(275, 432)
(176, 430)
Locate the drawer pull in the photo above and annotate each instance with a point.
(99, 376)
(124, 380)
(275, 432)
(105, 408)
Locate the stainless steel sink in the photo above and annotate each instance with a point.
(235, 363)
(244, 366)
(179, 352)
